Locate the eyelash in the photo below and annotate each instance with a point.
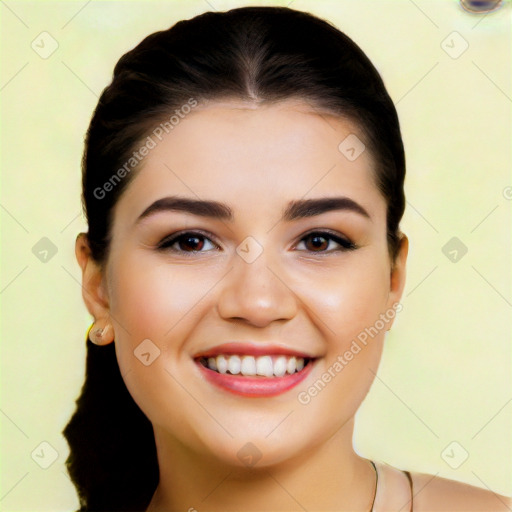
(167, 243)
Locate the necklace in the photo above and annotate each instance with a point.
(376, 484)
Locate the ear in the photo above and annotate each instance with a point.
(398, 273)
(94, 290)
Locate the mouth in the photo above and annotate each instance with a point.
(254, 375)
(269, 366)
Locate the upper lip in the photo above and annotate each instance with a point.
(252, 349)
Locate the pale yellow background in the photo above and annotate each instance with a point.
(446, 370)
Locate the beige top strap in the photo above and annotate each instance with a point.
(394, 490)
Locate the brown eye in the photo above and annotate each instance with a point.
(319, 242)
(186, 242)
(194, 243)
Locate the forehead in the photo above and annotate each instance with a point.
(249, 155)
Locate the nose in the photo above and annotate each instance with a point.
(256, 293)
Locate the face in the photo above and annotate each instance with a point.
(270, 280)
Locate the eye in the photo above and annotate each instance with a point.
(189, 241)
(319, 241)
(194, 242)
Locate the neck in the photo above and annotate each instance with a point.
(330, 476)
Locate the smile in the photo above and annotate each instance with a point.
(250, 376)
(247, 365)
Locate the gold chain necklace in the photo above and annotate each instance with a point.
(376, 484)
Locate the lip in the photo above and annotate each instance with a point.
(252, 349)
(255, 386)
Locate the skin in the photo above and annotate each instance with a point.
(185, 302)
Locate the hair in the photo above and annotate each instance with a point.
(257, 54)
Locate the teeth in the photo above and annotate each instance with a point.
(234, 364)
(222, 364)
(280, 366)
(291, 365)
(248, 365)
(265, 366)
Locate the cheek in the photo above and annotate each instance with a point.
(163, 303)
(155, 302)
(345, 301)
(351, 313)
(150, 299)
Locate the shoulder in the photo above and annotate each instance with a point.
(436, 494)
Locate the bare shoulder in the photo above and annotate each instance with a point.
(433, 493)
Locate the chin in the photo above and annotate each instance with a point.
(254, 452)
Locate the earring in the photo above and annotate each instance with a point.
(100, 335)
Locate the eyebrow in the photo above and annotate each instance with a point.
(295, 210)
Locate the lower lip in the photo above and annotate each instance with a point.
(255, 386)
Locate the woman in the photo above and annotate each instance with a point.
(243, 185)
